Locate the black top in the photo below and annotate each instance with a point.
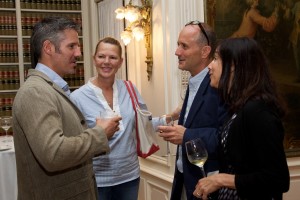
(254, 152)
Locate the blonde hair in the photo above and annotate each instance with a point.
(110, 40)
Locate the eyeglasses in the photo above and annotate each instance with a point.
(201, 28)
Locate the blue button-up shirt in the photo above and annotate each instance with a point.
(54, 77)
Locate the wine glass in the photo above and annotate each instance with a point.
(197, 153)
(6, 123)
(168, 142)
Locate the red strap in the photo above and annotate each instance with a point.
(131, 91)
(134, 108)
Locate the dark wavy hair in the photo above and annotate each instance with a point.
(252, 77)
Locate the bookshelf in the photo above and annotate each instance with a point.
(17, 17)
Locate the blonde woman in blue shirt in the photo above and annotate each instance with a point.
(117, 174)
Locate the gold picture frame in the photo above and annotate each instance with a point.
(227, 18)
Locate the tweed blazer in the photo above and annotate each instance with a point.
(54, 148)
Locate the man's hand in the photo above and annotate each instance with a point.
(173, 134)
(110, 125)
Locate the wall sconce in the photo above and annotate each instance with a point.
(139, 27)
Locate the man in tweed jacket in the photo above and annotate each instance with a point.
(54, 148)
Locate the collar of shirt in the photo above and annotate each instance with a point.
(52, 75)
(100, 96)
(195, 81)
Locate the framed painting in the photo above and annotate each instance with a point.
(275, 24)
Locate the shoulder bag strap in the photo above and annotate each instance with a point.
(131, 93)
(133, 99)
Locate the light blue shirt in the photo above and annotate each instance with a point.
(121, 164)
(194, 84)
(58, 80)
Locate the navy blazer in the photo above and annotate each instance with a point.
(205, 117)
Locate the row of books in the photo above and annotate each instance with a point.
(28, 20)
(8, 24)
(6, 103)
(8, 21)
(26, 51)
(51, 4)
(7, 4)
(9, 78)
(8, 51)
(43, 4)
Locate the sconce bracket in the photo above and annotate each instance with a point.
(144, 21)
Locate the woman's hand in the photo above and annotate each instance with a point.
(205, 186)
(210, 184)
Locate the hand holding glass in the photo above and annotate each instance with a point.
(168, 142)
(197, 154)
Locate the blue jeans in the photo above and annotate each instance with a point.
(124, 191)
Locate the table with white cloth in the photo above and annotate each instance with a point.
(8, 172)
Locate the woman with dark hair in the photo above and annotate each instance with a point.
(252, 159)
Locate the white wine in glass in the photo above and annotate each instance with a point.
(6, 123)
(197, 153)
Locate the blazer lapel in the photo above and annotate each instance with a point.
(198, 101)
(183, 109)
